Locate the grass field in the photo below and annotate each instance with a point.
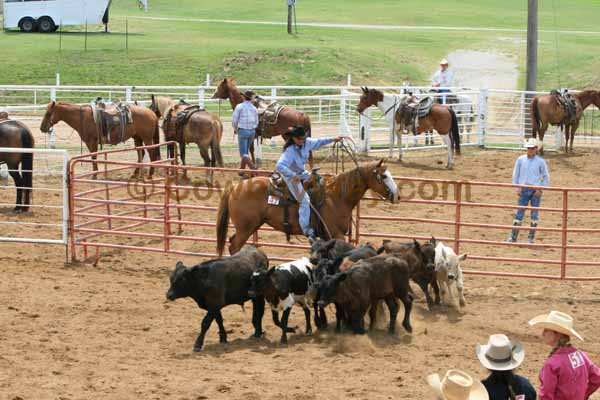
(171, 53)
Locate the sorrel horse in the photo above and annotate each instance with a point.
(246, 204)
(143, 130)
(17, 135)
(546, 110)
(288, 117)
(203, 128)
(441, 118)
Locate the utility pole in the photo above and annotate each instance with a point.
(291, 16)
(532, 43)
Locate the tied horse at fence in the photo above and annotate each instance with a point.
(554, 109)
(190, 124)
(398, 109)
(247, 204)
(285, 118)
(16, 134)
(143, 128)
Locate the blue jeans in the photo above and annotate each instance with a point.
(304, 202)
(444, 96)
(525, 199)
(245, 137)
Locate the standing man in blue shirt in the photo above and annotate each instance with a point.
(530, 169)
(245, 121)
(291, 167)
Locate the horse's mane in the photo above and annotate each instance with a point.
(345, 182)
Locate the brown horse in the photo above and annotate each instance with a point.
(546, 110)
(288, 117)
(203, 128)
(441, 118)
(246, 204)
(143, 130)
(17, 135)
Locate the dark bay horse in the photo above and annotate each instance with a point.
(545, 110)
(246, 204)
(143, 130)
(288, 117)
(16, 134)
(203, 128)
(441, 118)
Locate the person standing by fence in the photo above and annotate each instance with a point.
(245, 122)
(530, 169)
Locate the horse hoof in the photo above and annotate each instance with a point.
(408, 328)
(197, 349)
(309, 332)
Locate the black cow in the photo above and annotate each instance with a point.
(364, 285)
(330, 249)
(421, 260)
(218, 283)
(284, 286)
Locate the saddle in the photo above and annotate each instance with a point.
(268, 113)
(567, 102)
(176, 119)
(108, 117)
(410, 111)
(279, 195)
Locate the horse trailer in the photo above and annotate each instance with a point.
(47, 15)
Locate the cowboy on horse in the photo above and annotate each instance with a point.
(291, 167)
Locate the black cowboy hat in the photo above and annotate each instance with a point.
(249, 94)
(298, 132)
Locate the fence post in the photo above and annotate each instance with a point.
(128, 96)
(273, 93)
(53, 94)
(201, 97)
(563, 250)
(343, 123)
(522, 121)
(364, 131)
(166, 211)
(457, 217)
(483, 117)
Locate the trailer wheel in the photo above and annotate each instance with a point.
(46, 25)
(27, 24)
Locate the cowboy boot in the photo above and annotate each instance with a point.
(531, 236)
(243, 163)
(514, 233)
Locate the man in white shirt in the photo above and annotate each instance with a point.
(245, 121)
(444, 78)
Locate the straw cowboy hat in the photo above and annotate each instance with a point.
(444, 62)
(556, 321)
(531, 142)
(500, 354)
(457, 385)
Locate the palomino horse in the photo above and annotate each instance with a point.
(203, 128)
(143, 130)
(545, 110)
(15, 134)
(288, 117)
(441, 118)
(246, 204)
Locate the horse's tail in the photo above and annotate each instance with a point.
(535, 117)
(455, 132)
(27, 158)
(215, 143)
(223, 219)
(156, 140)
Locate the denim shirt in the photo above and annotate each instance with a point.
(292, 160)
(531, 171)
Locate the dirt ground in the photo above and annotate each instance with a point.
(74, 331)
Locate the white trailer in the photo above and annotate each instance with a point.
(48, 15)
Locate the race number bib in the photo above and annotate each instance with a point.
(273, 200)
(576, 360)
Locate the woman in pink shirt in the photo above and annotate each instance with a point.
(568, 373)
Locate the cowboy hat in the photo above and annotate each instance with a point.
(500, 354)
(530, 143)
(298, 132)
(444, 62)
(457, 385)
(249, 94)
(556, 321)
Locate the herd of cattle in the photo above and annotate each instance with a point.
(356, 280)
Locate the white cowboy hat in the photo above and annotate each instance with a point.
(556, 321)
(444, 61)
(457, 385)
(500, 354)
(531, 142)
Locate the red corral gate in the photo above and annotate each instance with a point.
(172, 214)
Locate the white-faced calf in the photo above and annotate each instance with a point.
(448, 272)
